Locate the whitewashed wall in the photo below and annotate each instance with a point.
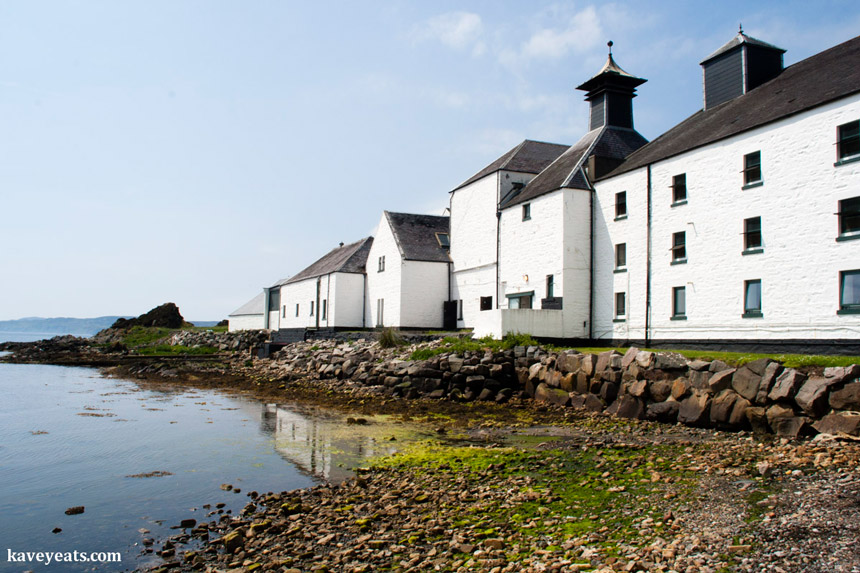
(346, 300)
(469, 286)
(424, 290)
(576, 275)
(799, 267)
(384, 285)
(302, 293)
(607, 233)
(245, 322)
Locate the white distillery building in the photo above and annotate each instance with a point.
(735, 226)
(328, 294)
(249, 316)
(408, 278)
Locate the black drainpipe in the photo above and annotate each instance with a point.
(648, 265)
(317, 316)
(364, 301)
(591, 266)
(498, 250)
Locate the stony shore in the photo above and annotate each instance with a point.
(523, 485)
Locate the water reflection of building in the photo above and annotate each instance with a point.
(321, 446)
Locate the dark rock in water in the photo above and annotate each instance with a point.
(56, 530)
(187, 523)
(164, 316)
(76, 510)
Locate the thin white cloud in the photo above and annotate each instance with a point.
(582, 32)
(457, 30)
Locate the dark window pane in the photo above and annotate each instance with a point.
(620, 304)
(850, 290)
(849, 215)
(621, 204)
(849, 139)
(679, 246)
(679, 188)
(752, 233)
(752, 167)
(621, 255)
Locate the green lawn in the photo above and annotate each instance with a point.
(740, 358)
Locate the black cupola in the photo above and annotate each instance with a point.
(739, 66)
(611, 94)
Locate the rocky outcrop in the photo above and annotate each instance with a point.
(164, 316)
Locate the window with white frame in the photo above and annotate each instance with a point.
(620, 305)
(381, 265)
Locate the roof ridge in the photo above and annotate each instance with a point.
(587, 153)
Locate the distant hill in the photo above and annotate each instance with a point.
(76, 326)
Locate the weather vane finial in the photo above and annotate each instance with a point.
(740, 28)
(609, 43)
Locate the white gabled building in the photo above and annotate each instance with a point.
(742, 217)
(735, 227)
(474, 207)
(249, 316)
(408, 278)
(329, 294)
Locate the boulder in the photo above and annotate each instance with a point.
(842, 373)
(455, 363)
(813, 395)
(718, 366)
(630, 407)
(680, 388)
(609, 391)
(577, 401)
(629, 357)
(771, 373)
(544, 393)
(645, 359)
(638, 389)
(593, 403)
(699, 379)
(738, 417)
(588, 363)
(535, 371)
(568, 382)
(757, 418)
(758, 366)
(666, 412)
(660, 390)
(846, 399)
(670, 361)
(722, 405)
(604, 360)
(839, 423)
(720, 381)
(569, 362)
(699, 365)
(783, 421)
(786, 385)
(746, 381)
(694, 409)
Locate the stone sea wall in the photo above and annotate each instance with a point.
(761, 396)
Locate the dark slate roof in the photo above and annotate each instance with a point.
(253, 306)
(350, 258)
(416, 236)
(611, 69)
(741, 38)
(566, 172)
(527, 157)
(819, 79)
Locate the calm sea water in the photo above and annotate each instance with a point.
(69, 437)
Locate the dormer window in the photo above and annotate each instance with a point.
(848, 142)
(443, 240)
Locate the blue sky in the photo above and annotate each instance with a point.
(196, 151)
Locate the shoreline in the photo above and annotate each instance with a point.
(529, 486)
